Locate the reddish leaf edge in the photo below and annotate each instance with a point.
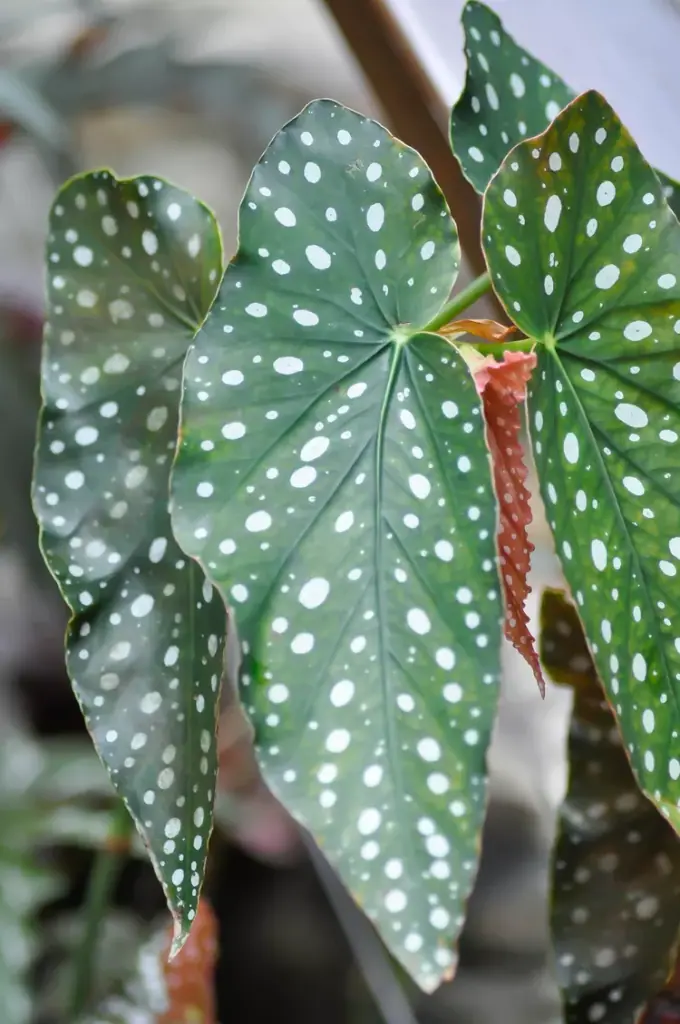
(189, 975)
(502, 386)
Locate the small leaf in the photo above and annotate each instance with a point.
(132, 268)
(508, 96)
(335, 485)
(584, 253)
(489, 330)
(616, 895)
(503, 389)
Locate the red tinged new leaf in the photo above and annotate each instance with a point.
(190, 975)
(503, 387)
(488, 330)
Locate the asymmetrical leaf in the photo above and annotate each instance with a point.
(132, 268)
(334, 483)
(616, 884)
(508, 96)
(584, 253)
(503, 387)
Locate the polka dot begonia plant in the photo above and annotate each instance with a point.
(349, 477)
(132, 269)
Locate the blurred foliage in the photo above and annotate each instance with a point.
(20, 334)
(158, 991)
(616, 881)
(44, 804)
(230, 100)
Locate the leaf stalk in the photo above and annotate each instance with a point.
(100, 887)
(460, 302)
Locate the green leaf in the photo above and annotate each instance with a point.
(334, 482)
(132, 268)
(616, 881)
(583, 252)
(508, 96)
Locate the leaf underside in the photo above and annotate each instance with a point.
(508, 96)
(583, 250)
(132, 268)
(334, 483)
(616, 875)
(503, 387)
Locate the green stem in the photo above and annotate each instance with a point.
(460, 302)
(99, 890)
(495, 348)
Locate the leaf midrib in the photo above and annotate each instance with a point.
(380, 522)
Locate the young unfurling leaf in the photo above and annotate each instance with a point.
(503, 386)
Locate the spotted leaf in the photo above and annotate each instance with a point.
(334, 483)
(616, 874)
(503, 387)
(584, 252)
(132, 268)
(508, 96)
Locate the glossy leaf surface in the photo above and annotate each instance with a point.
(334, 483)
(132, 268)
(584, 253)
(508, 96)
(616, 881)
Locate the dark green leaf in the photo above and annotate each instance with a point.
(616, 884)
(508, 96)
(334, 483)
(584, 252)
(132, 268)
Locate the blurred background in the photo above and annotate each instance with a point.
(193, 91)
